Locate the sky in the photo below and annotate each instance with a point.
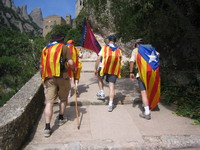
(49, 7)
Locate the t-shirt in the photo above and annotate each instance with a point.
(133, 59)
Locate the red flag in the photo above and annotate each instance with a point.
(88, 39)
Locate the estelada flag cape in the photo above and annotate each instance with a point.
(50, 60)
(148, 65)
(111, 61)
(88, 39)
(74, 52)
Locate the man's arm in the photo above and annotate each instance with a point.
(67, 56)
(131, 65)
(97, 64)
(71, 65)
(132, 76)
(80, 54)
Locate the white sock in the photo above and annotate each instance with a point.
(101, 91)
(147, 111)
(76, 84)
(110, 103)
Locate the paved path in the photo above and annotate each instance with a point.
(120, 129)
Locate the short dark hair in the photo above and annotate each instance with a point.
(57, 37)
(112, 38)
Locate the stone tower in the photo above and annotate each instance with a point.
(68, 19)
(50, 21)
(79, 6)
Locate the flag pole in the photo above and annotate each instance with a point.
(76, 105)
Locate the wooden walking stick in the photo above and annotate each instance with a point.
(76, 103)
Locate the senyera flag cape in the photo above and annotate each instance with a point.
(88, 39)
(148, 66)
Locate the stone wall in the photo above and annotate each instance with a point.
(20, 114)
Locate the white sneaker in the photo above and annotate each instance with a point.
(61, 122)
(110, 108)
(47, 133)
(102, 96)
(98, 94)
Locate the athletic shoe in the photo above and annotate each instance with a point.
(47, 133)
(148, 117)
(102, 96)
(98, 94)
(61, 122)
(110, 108)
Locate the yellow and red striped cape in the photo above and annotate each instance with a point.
(74, 52)
(150, 78)
(111, 62)
(50, 60)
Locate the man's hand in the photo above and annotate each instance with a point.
(74, 69)
(132, 76)
(95, 72)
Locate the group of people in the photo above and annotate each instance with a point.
(60, 62)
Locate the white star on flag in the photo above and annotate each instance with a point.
(152, 57)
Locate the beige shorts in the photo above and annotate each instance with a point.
(56, 87)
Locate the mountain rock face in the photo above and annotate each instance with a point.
(24, 13)
(18, 18)
(36, 15)
(7, 3)
(102, 23)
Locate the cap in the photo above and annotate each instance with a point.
(139, 40)
(112, 38)
(70, 41)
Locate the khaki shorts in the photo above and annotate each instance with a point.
(56, 87)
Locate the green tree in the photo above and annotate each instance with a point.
(75, 35)
(38, 44)
(61, 29)
(16, 62)
(173, 28)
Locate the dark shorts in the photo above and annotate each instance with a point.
(109, 77)
(141, 84)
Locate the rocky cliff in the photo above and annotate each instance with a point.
(18, 18)
(102, 23)
(36, 15)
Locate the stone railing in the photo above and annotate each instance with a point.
(20, 114)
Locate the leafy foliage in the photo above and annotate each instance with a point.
(18, 61)
(20, 56)
(61, 29)
(173, 28)
(75, 35)
(79, 19)
(67, 31)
